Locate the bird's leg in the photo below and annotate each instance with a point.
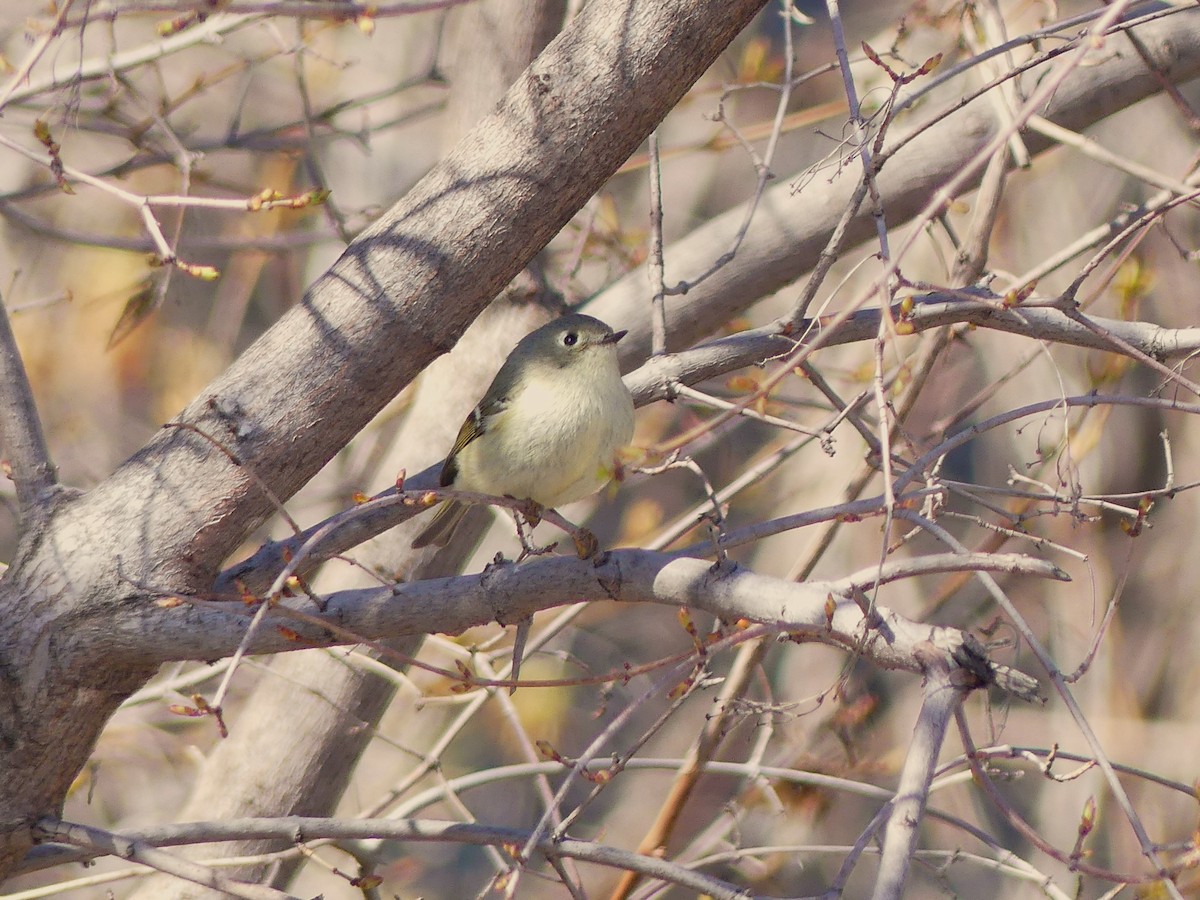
(586, 544)
(531, 510)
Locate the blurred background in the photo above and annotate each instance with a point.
(243, 102)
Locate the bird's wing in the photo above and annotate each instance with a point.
(474, 425)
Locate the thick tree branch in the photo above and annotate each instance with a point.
(22, 444)
(818, 610)
(942, 698)
(653, 381)
(399, 296)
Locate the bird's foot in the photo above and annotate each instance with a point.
(587, 546)
(531, 511)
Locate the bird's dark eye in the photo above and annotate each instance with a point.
(570, 339)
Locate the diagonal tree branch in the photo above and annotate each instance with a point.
(21, 439)
(792, 225)
(399, 296)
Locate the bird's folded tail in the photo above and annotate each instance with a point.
(445, 520)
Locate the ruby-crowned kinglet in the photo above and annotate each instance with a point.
(549, 427)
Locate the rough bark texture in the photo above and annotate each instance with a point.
(494, 41)
(791, 227)
(77, 601)
(300, 705)
(789, 230)
(399, 296)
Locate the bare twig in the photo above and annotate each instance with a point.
(862, 138)
(762, 166)
(1093, 149)
(984, 780)
(654, 260)
(101, 841)
(39, 48)
(703, 748)
(1148, 847)
(106, 65)
(941, 698)
(299, 828)
(596, 746)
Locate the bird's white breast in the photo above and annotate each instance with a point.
(559, 437)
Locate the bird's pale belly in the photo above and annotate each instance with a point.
(548, 466)
(549, 460)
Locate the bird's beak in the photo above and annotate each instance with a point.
(614, 337)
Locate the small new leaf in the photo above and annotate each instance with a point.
(137, 309)
(179, 23)
(1088, 820)
(42, 132)
(202, 273)
(928, 66)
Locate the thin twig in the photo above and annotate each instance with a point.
(595, 747)
(762, 166)
(1093, 149)
(35, 53)
(703, 748)
(1011, 816)
(654, 259)
(1148, 847)
(138, 851)
(105, 65)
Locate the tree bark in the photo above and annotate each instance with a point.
(84, 581)
(789, 231)
(300, 704)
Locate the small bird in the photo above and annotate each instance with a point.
(549, 427)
